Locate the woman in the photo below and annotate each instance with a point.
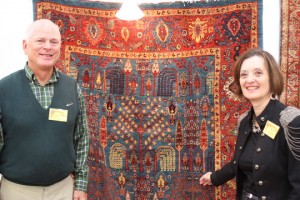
(266, 161)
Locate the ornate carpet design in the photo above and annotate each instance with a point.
(158, 91)
(290, 50)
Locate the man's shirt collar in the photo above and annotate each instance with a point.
(31, 77)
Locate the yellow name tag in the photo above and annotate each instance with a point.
(59, 115)
(271, 129)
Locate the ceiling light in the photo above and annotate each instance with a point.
(130, 11)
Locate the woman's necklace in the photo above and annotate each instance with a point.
(255, 129)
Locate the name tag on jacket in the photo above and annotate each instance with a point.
(271, 129)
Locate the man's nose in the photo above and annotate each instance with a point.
(48, 45)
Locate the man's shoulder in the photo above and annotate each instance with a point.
(65, 76)
(11, 77)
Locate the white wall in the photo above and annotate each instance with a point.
(15, 16)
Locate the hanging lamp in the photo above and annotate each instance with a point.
(130, 11)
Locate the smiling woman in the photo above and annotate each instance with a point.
(266, 144)
(13, 58)
(254, 79)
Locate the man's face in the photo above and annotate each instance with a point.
(42, 46)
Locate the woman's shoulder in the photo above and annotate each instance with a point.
(290, 122)
(290, 117)
(243, 116)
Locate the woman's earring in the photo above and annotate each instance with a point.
(273, 97)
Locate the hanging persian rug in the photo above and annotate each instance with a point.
(158, 91)
(290, 50)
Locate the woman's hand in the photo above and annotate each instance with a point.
(205, 179)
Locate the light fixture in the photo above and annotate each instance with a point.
(130, 11)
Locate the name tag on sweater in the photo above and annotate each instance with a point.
(59, 115)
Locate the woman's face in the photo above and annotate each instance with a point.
(254, 80)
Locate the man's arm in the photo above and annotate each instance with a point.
(81, 142)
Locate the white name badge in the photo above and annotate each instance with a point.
(59, 115)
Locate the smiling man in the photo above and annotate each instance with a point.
(42, 46)
(43, 129)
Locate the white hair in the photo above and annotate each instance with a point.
(31, 28)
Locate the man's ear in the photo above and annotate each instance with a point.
(24, 44)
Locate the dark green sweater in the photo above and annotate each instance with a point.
(37, 151)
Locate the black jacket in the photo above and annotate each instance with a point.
(276, 169)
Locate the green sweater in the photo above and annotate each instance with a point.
(37, 151)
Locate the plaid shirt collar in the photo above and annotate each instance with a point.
(31, 77)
